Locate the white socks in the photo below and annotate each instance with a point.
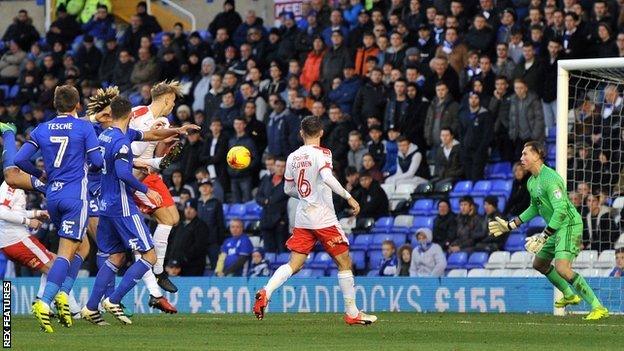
(150, 280)
(74, 307)
(347, 285)
(42, 283)
(161, 236)
(279, 277)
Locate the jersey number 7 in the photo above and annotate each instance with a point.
(63, 141)
(303, 185)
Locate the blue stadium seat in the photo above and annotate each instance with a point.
(383, 225)
(454, 204)
(226, 209)
(236, 211)
(419, 222)
(477, 260)
(500, 170)
(378, 239)
(332, 272)
(515, 242)
(362, 241)
(457, 260)
(359, 259)
(501, 188)
(536, 223)
(253, 211)
(317, 273)
(434, 210)
(135, 98)
(5, 89)
(552, 152)
(481, 188)
(205, 35)
(372, 273)
(479, 203)
(157, 40)
(401, 226)
(270, 256)
(280, 260)
(502, 202)
(421, 207)
(310, 273)
(461, 188)
(374, 259)
(322, 260)
(14, 91)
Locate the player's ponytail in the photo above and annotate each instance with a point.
(538, 148)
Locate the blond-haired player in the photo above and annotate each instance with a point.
(309, 178)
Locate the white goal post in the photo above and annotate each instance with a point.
(601, 70)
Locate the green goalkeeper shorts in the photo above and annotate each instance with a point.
(565, 244)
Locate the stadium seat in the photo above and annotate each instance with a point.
(423, 189)
(332, 272)
(443, 187)
(362, 241)
(520, 259)
(253, 211)
(457, 260)
(280, 260)
(5, 90)
(226, 209)
(256, 241)
(14, 91)
(359, 259)
(500, 170)
(403, 192)
(457, 273)
(586, 259)
(378, 239)
(500, 273)
(462, 188)
(606, 272)
(383, 225)
(522, 273)
(419, 222)
(477, 260)
(402, 223)
(310, 273)
(347, 224)
(454, 204)
(501, 187)
(536, 223)
(590, 272)
(478, 273)
(157, 39)
(515, 242)
(374, 259)
(236, 211)
(270, 256)
(322, 260)
(364, 224)
(388, 189)
(481, 188)
(498, 259)
(605, 260)
(135, 98)
(479, 203)
(421, 207)
(372, 273)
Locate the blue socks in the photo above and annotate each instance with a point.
(56, 276)
(133, 275)
(8, 155)
(72, 272)
(104, 279)
(101, 258)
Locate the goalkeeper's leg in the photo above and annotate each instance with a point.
(545, 267)
(564, 268)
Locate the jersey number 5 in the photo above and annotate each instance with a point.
(63, 141)
(303, 185)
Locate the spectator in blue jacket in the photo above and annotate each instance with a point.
(276, 128)
(336, 24)
(352, 12)
(259, 264)
(618, 270)
(241, 180)
(228, 111)
(392, 150)
(344, 95)
(235, 252)
(101, 26)
(388, 266)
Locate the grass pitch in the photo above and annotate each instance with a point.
(393, 331)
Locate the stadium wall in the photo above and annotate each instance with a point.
(235, 295)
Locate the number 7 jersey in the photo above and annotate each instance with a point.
(316, 207)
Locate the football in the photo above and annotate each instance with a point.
(239, 157)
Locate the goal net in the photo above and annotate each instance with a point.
(589, 148)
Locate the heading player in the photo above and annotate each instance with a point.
(309, 178)
(121, 227)
(145, 118)
(561, 239)
(66, 143)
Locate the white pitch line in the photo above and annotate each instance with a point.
(588, 324)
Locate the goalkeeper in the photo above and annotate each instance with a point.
(561, 239)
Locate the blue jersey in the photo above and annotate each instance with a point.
(65, 142)
(116, 186)
(234, 248)
(388, 266)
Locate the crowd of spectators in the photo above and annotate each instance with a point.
(409, 92)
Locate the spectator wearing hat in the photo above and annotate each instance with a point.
(190, 242)
(519, 198)
(428, 259)
(337, 57)
(425, 43)
(491, 243)
(210, 211)
(274, 220)
(169, 65)
(235, 252)
(618, 270)
(21, 31)
(259, 264)
(507, 24)
(470, 228)
(477, 127)
(101, 26)
(64, 29)
(88, 58)
(10, 63)
(362, 24)
(371, 197)
(150, 23)
(229, 19)
(344, 95)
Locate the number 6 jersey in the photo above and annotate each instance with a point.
(316, 207)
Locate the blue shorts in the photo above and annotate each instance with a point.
(118, 234)
(93, 197)
(69, 216)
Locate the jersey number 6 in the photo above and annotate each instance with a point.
(303, 185)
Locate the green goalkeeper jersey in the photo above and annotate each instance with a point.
(549, 199)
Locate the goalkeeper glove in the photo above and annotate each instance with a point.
(535, 242)
(499, 226)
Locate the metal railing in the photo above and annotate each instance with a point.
(181, 9)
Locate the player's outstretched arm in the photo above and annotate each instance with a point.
(23, 157)
(162, 134)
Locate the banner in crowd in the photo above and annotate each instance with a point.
(293, 6)
(394, 294)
